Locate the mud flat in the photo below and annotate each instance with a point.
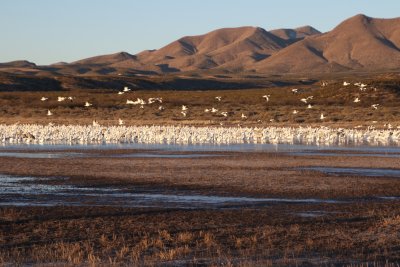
(181, 206)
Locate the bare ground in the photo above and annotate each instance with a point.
(359, 231)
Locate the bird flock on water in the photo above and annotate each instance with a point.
(96, 133)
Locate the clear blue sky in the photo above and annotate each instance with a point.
(49, 31)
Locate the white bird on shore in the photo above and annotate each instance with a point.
(309, 106)
(121, 92)
(375, 106)
(295, 90)
(244, 116)
(60, 98)
(218, 98)
(120, 122)
(345, 83)
(206, 110)
(161, 108)
(266, 97)
(356, 100)
(184, 108)
(184, 113)
(224, 113)
(214, 110)
(295, 112)
(44, 98)
(95, 123)
(322, 116)
(71, 98)
(126, 89)
(304, 100)
(87, 104)
(138, 101)
(49, 113)
(152, 100)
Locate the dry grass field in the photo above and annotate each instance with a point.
(335, 101)
(360, 230)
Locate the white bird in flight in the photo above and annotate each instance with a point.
(224, 113)
(295, 90)
(266, 97)
(244, 116)
(184, 108)
(218, 98)
(375, 106)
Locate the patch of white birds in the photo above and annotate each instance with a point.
(184, 109)
(95, 133)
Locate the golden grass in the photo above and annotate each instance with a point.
(334, 100)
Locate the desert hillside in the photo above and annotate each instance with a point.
(360, 43)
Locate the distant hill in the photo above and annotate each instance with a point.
(360, 43)
(295, 34)
(18, 64)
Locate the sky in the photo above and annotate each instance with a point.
(50, 31)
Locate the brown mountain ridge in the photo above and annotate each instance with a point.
(360, 43)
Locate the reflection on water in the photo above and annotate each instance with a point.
(157, 155)
(344, 154)
(372, 172)
(28, 191)
(40, 155)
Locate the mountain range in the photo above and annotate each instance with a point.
(360, 43)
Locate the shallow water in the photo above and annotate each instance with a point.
(29, 191)
(371, 172)
(156, 155)
(344, 154)
(41, 155)
(202, 148)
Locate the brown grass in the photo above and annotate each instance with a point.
(334, 100)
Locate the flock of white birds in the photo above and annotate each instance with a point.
(185, 110)
(95, 133)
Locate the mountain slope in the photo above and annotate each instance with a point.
(359, 43)
(295, 34)
(214, 49)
